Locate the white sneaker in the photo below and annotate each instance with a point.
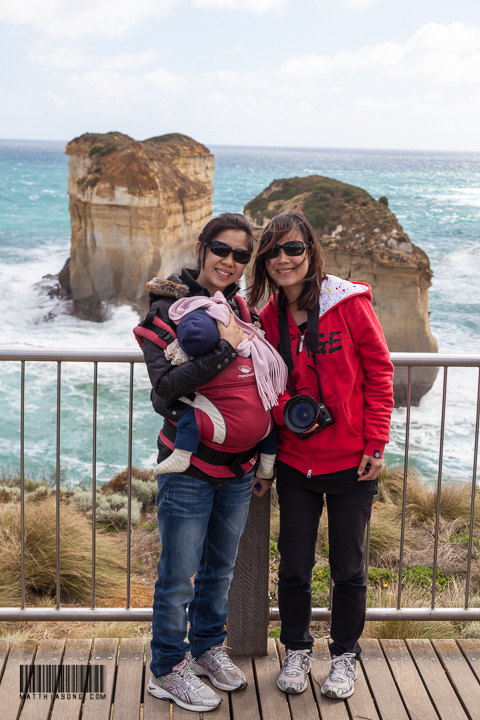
(217, 666)
(293, 676)
(185, 689)
(342, 675)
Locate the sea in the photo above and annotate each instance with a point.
(435, 196)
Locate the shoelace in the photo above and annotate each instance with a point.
(342, 666)
(189, 676)
(293, 661)
(220, 654)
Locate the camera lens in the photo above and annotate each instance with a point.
(303, 415)
(300, 413)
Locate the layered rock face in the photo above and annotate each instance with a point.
(136, 209)
(363, 240)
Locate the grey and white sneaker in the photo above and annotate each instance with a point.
(217, 666)
(296, 666)
(185, 689)
(342, 675)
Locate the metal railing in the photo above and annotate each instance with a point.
(133, 357)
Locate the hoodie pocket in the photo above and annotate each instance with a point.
(340, 415)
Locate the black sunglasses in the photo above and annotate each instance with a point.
(292, 248)
(223, 250)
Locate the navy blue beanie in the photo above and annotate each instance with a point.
(197, 333)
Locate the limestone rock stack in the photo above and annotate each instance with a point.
(136, 209)
(363, 240)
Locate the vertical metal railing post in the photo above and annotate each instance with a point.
(130, 436)
(57, 482)
(472, 501)
(404, 493)
(94, 479)
(22, 478)
(439, 487)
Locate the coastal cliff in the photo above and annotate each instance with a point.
(363, 240)
(136, 209)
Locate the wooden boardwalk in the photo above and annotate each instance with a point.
(416, 680)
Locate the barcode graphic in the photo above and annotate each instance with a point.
(71, 679)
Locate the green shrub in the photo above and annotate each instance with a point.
(383, 200)
(422, 576)
(144, 492)
(273, 546)
(274, 632)
(111, 509)
(321, 586)
(381, 576)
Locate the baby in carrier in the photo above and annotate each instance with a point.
(197, 334)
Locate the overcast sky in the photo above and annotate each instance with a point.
(296, 73)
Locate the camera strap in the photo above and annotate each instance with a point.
(285, 348)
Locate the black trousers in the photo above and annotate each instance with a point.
(348, 514)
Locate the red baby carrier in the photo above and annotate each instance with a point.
(228, 409)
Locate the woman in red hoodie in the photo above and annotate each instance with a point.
(328, 334)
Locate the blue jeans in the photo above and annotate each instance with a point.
(200, 525)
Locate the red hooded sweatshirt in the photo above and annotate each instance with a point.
(356, 377)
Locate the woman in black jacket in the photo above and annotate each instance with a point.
(201, 512)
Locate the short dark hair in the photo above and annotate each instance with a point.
(224, 221)
(277, 228)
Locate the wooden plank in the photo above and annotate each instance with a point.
(154, 708)
(408, 681)
(244, 703)
(38, 705)
(68, 706)
(462, 678)
(128, 687)
(389, 703)
(471, 650)
(248, 599)
(330, 709)
(361, 703)
(303, 706)
(98, 706)
(273, 702)
(441, 692)
(22, 653)
(4, 648)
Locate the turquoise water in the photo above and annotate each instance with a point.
(436, 197)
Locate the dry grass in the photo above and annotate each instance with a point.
(406, 629)
(455, 498)
(40, 555)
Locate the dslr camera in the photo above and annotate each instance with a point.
(303, 411)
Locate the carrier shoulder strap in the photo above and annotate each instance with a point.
(245, 314)
(155, 329)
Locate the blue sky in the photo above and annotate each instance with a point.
(295, 73)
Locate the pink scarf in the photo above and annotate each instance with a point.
(270, 370)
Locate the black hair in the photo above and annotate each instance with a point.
(224, 221)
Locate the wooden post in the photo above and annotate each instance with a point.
(248, 599)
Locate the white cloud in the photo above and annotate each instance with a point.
(90, 17)
(360, 4)
(60, 103)
(111, 92)
(255, 6)
(443, 53)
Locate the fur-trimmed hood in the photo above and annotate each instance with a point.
(158, 287)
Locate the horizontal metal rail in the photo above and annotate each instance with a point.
(136, 356)
(95, 356)
(73, 614)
